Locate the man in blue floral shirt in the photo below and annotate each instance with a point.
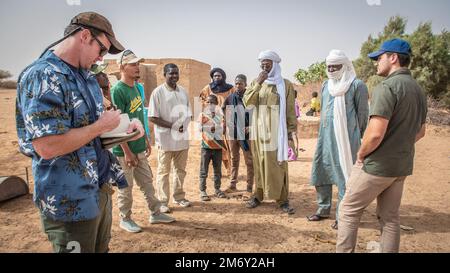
(59, 116)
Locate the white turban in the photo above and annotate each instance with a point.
(337, 56)
(275, 78)
(269, 55)
(339, 85)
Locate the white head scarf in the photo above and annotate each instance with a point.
(338, 84)
(275, 78)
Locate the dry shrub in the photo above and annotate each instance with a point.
(438, 113)
(8, 84)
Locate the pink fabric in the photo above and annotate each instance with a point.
(297, 109)
(291, 154)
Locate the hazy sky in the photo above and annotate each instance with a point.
(227, 34)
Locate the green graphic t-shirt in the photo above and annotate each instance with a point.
(129, 101)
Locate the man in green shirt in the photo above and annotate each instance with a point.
(133, 155)
(397, 121)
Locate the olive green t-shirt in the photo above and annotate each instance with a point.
(402, 101)
(128, 100)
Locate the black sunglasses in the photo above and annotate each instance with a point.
(103, 49)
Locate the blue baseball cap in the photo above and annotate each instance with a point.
(395, 45)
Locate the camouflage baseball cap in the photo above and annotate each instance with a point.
(98, 22)
(128, 57)
(98, 68)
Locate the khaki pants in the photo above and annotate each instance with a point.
(362, 189)
(167, 160)
(142, 175)
(90, 236)
(235, 147)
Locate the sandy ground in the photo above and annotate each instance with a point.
(225, 225)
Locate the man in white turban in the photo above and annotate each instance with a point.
(344, 115)
(273, 122)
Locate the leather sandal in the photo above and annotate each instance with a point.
(253, 203)
(335, 225)
(315, 218)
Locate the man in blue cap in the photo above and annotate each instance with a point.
(397, 121)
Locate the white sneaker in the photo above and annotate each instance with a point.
(164, 209)
(160, 218)
(183, 203)
(130, 226)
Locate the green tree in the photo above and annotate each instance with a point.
(5, 83)
(4, 75)
(430, 64)
(315, 73)
(431, 60)
(365, 67)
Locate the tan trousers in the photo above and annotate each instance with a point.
(235, 147)
(362, 189)
(142, 175)
(176, 161)
(226, 155)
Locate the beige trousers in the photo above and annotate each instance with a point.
(362, 189)
(176, 161)
(142, 175)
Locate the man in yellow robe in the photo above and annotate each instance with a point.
(273, 122)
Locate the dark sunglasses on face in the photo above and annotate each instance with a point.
(103, 49)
